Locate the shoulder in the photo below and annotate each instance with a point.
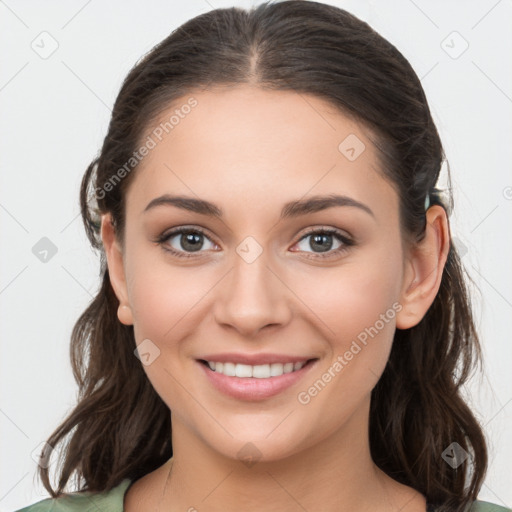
(108, 501)
(485, 506)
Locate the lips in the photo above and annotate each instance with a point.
(252, 388)
(255, 359)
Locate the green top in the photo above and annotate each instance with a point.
(112, 501)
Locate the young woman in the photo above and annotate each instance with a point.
(283, 323)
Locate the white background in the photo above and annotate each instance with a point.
(54, 115)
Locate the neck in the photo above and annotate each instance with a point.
(339, 471)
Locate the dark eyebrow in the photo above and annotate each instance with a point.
(290, 209)
(318, 203)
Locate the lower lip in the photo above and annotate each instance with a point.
(251, 388)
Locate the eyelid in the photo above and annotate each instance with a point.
(325, 229)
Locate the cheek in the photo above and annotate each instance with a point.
(165, 298)
(357, 304)
(167, 303)
(359, 308)
(350, 298)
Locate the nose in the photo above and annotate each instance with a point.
(252, 297)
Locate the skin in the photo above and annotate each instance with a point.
(284, 147)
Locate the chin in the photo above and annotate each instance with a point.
(253, 442)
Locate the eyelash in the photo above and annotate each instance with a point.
(347, 242)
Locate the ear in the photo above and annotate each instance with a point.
(114, 254)
(423, 270)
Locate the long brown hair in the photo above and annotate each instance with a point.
(120, 427)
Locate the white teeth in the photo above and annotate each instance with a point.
(260, 371)
(228, 369)
(276, 369)
(243, 370)
(288, 367)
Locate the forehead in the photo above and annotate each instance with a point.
(241, 146)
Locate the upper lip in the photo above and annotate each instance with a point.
(254, 359)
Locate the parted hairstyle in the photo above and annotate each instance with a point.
(120, 427)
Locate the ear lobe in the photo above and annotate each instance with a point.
(424, 269)
(114, 255)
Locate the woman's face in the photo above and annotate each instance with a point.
(261, 277)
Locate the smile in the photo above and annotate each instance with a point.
(249, 383)
(260, 371)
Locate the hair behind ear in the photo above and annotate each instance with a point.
(121, 427)
(417, 403)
